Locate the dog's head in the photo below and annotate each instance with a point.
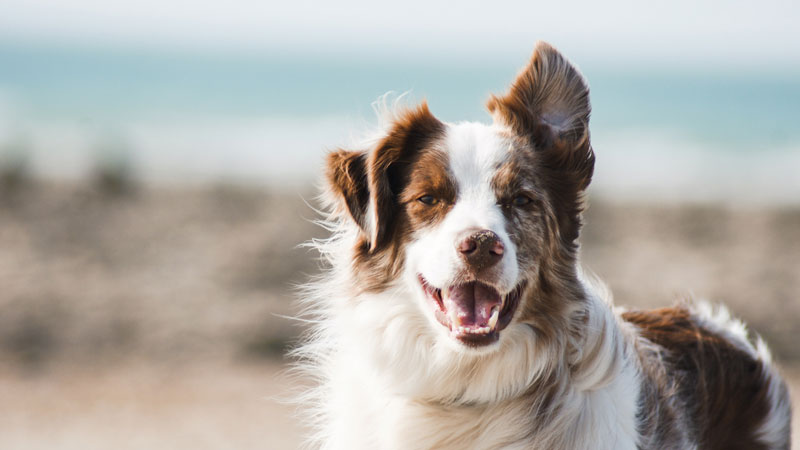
(481, 220)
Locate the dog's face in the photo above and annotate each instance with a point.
(479, 221)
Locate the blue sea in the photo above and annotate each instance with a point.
(186, 117)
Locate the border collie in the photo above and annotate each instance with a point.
(454, 313)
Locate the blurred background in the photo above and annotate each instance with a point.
(158, 163)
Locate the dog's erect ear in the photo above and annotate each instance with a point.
(549, 103)
(347, 177)
(369, 182)
(549, 100)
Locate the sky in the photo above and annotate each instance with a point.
(719, 32)
(309, 70)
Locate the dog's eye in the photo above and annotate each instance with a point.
(428, 200)
(521, 200)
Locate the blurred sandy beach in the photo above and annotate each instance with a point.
(152, 317)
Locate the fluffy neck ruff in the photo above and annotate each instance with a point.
(560, 366)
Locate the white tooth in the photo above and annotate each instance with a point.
(493, 318)
(454, 316)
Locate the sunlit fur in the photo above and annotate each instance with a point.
(388, 379)
(569, 372)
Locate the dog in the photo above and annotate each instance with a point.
(453, 313)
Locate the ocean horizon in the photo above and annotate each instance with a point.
(682, 133)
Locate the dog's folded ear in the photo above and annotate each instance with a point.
(367, 183)
(347, 177)
(549, 103)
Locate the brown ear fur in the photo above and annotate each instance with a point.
(548, 97)
(346, 173)
(377, 177)
(549, 103)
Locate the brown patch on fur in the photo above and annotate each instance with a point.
(526, 224)
(721, 386)
(534, 231)
(389, 167)
(402, 164)
(430, 176)
(517, 174)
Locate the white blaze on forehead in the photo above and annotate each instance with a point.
(474, 152)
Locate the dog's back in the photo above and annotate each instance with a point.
(709, 381)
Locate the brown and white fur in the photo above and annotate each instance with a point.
(454, 314)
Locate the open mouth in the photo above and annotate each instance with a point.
(474, 312)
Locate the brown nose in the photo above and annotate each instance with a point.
(481, 249)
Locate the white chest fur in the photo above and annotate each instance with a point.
(365, 413)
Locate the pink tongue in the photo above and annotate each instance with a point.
(472, 304)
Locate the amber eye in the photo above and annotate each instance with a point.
(521, 200)
(428, 200)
